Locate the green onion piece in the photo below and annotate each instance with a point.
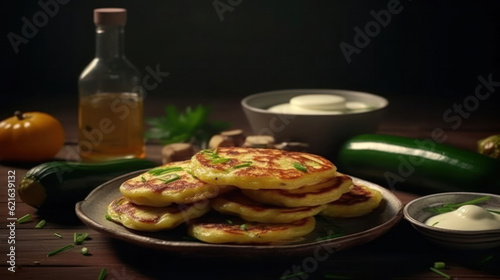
(292, 275)
(108, 217)
(143, 179)
(493, 211)
(102, 275)
(437, 271)
(486, 259)
(300, 167)
(173, 177)
(244, 227)
(219, 160)
(438, 265)
(164, 170)
(229, 221)
(242, 165)
(62, 249)
(41, 224)
(448, 207)
(78, 238)
(84, 251)
(24, 219)
(57, 234)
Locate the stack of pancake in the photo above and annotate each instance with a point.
(241, 195)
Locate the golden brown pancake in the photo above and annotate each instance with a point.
(249, 168)
(235, 203)
(236, 231)
(167, 184)
(360, 201)
(147, 218)
(318, 194)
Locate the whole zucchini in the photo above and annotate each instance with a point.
(61, 183)
(422, 166)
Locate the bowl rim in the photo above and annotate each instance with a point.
(422, 225)
(245, 100)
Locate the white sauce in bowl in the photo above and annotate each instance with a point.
(467, 217)
(319, 104)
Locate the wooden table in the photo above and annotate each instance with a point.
(401, 253)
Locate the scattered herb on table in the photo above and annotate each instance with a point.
(292, 275)
(24, 219)
(439, 265)
(102, 275)
(58, 234)
(41, 224)
(191, 126)
(78, 238)
(439, 272)
(59, 250)
(84, 251)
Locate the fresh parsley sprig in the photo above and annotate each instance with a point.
(191, 126)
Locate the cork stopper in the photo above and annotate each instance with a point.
(110, 16)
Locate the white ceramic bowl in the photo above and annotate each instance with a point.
(415, 213)
(324, 133)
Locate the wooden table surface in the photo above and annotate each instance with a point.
(401, 253)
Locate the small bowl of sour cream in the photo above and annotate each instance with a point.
(321, 118)
(459, 220)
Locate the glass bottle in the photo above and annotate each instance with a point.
(110, 111)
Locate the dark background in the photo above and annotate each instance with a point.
(431, 49)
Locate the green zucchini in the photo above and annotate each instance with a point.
(421, 166)
(60, 184)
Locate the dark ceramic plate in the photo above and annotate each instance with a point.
(353, 231)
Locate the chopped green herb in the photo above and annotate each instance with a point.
(214, 156)
(143, 179)
(292, 275)
(300, 167)
(437, 271)
(229, 221)
(448, 207)
(486, 259)
(57, 234)
(164, 170)
(438, 265)
(84, 251)
(62, 249)
(102, 275)
(219, 160)
(108, 217)
(41, 224)
(244, 227)
(78, 238)
(242, 165)
(24, 219)
(169, 178)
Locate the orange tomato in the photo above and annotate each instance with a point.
(30, 137)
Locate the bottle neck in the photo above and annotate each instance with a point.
(110, 41)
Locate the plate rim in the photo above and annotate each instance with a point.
(137, 238)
